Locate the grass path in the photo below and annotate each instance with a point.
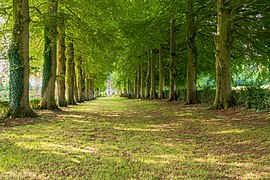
(117, 138)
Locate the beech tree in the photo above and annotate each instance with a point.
(19, 62)
(49, 66)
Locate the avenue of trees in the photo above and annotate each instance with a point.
(152, 48)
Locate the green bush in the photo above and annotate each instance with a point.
(249, 97)
(206, 95)
(253, 98)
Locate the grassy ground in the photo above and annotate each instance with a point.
(116, 138)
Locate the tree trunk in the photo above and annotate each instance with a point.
(142, 83)
(148, 79)
(223, 40)
(79, 79)
(83, 86)
(91, 89)
(135, 88)
(75, 85)
(139, 82)
(61, 68)
(172, 88)
(125, 88)
(89, 85)
(86, 87)
(161, 73)
(192, 56)
(153, 77)
(19, 62)
(70, 75)
(129, 89)
(49, 66)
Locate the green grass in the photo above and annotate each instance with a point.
(117, 138)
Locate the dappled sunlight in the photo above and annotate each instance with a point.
(229, 131)
(140, 129)
(148, 139)
(25, 174)
(69, 148)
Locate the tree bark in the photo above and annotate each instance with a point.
(192, 56)
(61, 68)
(148, 79)
(19, 62)
(49, 66)
(223, 40)
(92, 89)
(86, 88)
(142, 82)
(79, 79)
(125, 88)
(161, 73)
(129, 89)
(153, 77)
(70, 75)
(172, 88)
(139, 82)
(135, 85)
(75, 85)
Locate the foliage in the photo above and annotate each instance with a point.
(253, 98)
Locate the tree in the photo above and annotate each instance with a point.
(19, 62)
(153, 77)
(192, 55)
(172, 88)
(79, 79)
(61, 67)
(70, 74)
(49, 66)
(161, 73)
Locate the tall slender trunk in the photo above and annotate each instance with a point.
(49, 66)
(172, 90)
(142, 82)
(75, 86)
(135, 86)
(223, 40)
(19, 62)
(83, 86)
(129, 89)
(125, 88)
(70, 74)
(161, 73)
(148, 79)
(61, 68)
(79, 79)
(92, 89)
(139, 82)
(192, 56)
(153, 77)
(86, 87)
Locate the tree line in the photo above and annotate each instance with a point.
(148, 46)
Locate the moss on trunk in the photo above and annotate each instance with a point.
(19, 62)
(223, 40)
(49, 66)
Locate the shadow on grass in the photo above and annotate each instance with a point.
(119, 138)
